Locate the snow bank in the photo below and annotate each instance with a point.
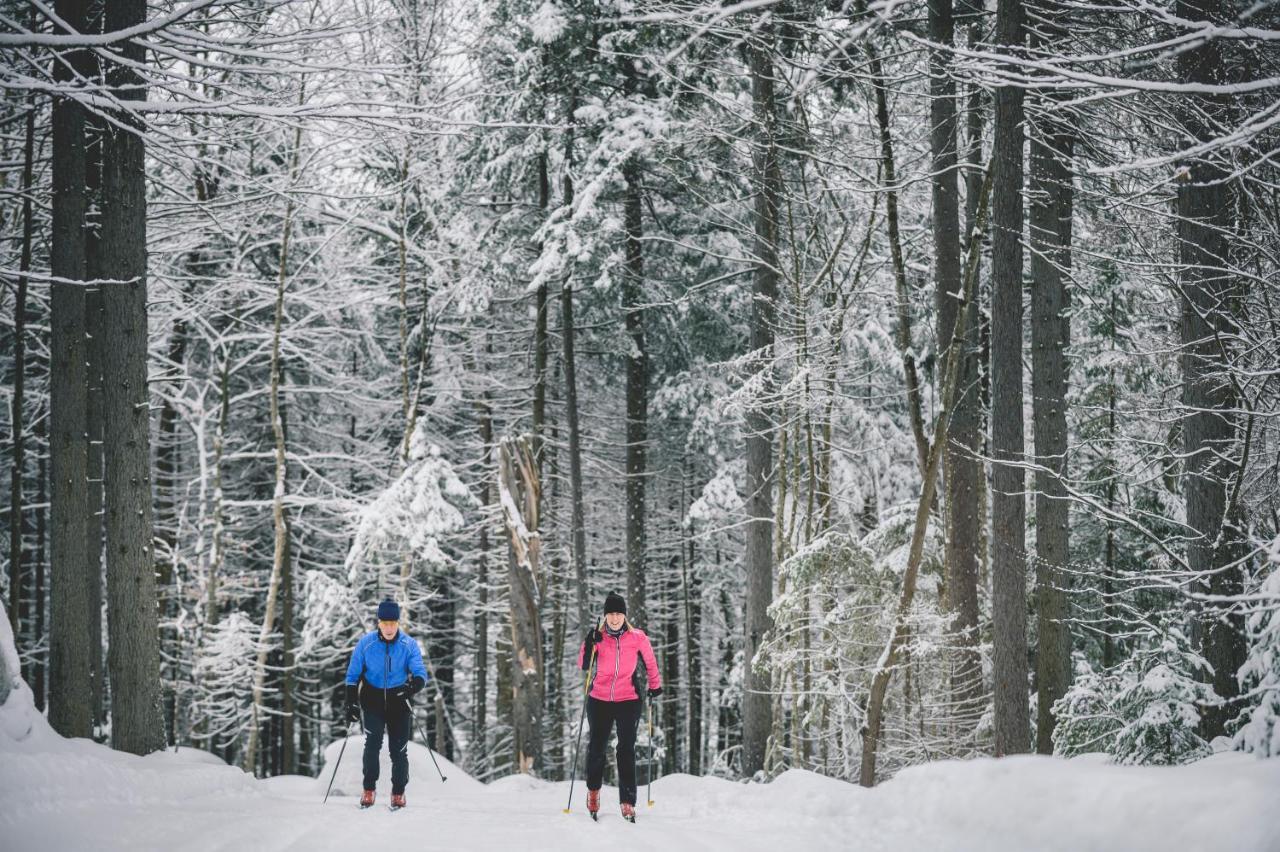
(1030, 802)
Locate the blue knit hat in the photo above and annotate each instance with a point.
(388, 610)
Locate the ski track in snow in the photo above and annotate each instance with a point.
(58, 794)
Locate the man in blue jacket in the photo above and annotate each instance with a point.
(389, 665)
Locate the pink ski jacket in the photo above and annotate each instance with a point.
(616, 663)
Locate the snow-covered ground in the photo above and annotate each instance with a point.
(59, 794)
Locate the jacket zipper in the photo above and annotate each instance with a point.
(617, 658)
(386, 675)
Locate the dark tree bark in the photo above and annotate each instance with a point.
(42, 493)
(540, 339)
(637, 395)
(93, 366)
(288, 685)
(1051, 198)
(133, 655)
(1008, 502)
(966, 518)
(669, 659)
(520, 489)
(693, 663)
(96, 534)
(577, 515)
(17, 417)
(72, 566)
(758, 560)
(442, 641)
(1210, 297)
(962, 471)
(479, 716)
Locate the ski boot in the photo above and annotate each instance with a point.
(397, 801)
(593, 804)
(628, 812)
(366, 799)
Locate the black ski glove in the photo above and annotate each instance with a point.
(409, 688)
(654, 693)
(588, 645)
(353, 702)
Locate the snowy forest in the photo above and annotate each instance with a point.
(911, 366)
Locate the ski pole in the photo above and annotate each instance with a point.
(649, 794)
(338, 763)
(586, 687)
(431, 752)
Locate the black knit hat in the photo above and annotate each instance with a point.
(615, 603)
(388, 610)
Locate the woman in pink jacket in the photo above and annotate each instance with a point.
(613, 699)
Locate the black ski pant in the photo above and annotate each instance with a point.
(396, 719)
(601, 716)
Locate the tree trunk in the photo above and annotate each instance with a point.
(479, 727)
(280, 522)
(443, 644)
(670, 662)
(898, 635)
(637, 395)
(216, 550)
(96, 497)
(42, 493)
(758, 559)
(519, 492)
(70, 697)
(95, 129)
(402, 300)
(1008, 509)
(1051, 197)
(133, 655)
(902, 336)
(693, 641)
(577, 515)
(961, 470)
(540, 339)
(288, 751)
(1210, 299)
(17, 415)
(970, 416)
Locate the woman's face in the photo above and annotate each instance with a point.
(614, 620)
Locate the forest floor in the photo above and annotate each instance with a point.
(59, 794)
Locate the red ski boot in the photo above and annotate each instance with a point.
(397, 801)
(593, 803)
(366, 800)
(628, 812)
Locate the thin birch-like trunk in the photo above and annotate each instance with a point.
(888, 659)
(280, 523)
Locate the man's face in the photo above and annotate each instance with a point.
(388, 628)
(614, 620)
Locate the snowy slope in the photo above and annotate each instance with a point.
(58, 794)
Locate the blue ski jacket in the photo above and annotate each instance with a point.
(383, 664)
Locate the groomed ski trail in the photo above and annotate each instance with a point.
(58, 794)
